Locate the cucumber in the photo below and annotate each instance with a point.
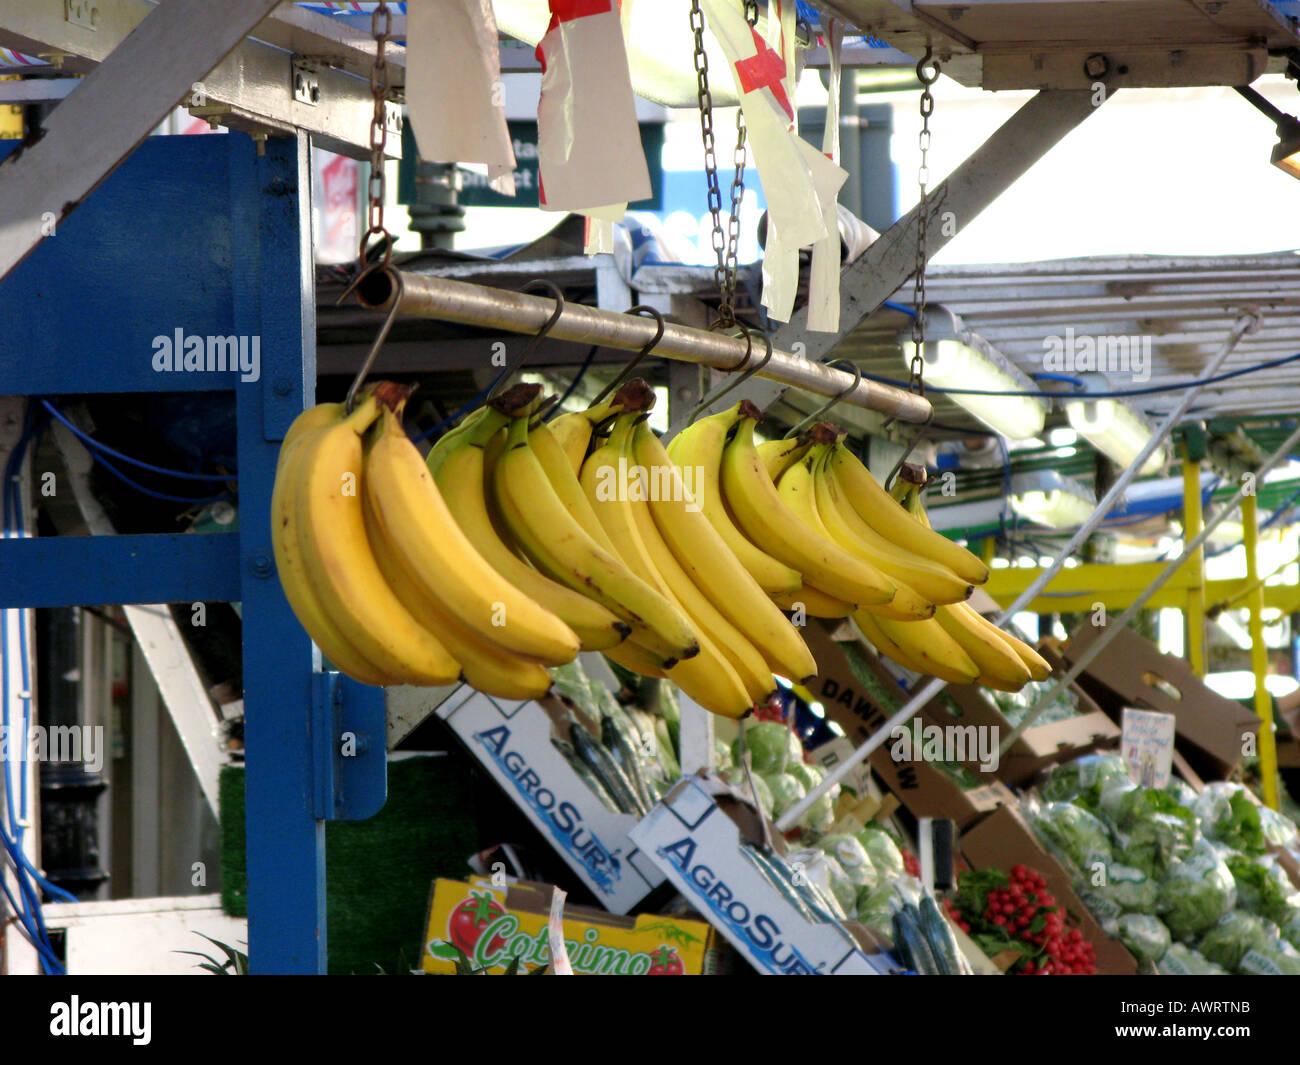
(615, 739)
(667, 755)
(940, 938)
(588, 777)
(778, 877)
(912, 946)
(604, 766)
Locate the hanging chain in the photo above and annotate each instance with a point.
(726, 240)
(928, 73)
(381, 24)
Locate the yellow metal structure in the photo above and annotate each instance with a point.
(1259, 653)
(1195, 568)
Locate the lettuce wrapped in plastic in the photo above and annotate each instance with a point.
(768, 745)
(1290, 926)
(1229, 816)
(1182, 791)
(824, 873)
(1084, 778)
(1072, 834)
(853, 858)
(1196, 893)
(1152, 830)
(1279, 960)
(1263, 887)
(882, 851)
(1228, 940)
(821, 815)
(1279, 830)
(786, 791)
(1146, 937)
(1180, 960)
(1119, 889)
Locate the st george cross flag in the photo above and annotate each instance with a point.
(588, 141)
(454, 92)
(767, 102)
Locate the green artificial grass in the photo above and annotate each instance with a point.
(378, 872)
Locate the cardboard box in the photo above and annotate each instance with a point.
(1131, 671)
(694, 836)
(512, 741)
(860, 707)
(1003, 839)
(494, 924)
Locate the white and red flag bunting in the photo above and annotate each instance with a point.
(588, 140)
(455, 97)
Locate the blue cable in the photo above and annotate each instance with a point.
(98, 445)
(1076, 381)
(166, 497)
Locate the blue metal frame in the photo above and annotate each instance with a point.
(205, 235)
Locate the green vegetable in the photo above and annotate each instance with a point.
(1085, 778)
(1227, 942)
(823, 870)
(786, 791)
(1229, 816)
(666, 751)
(1280, 960)
(1279, 830)
(793, 749)
(1180, 960)
(912, 945)
(1182, 791)
(1121, 888)
(821, 815)
(1073, 835)
(1290, 926)
(1196, 893)
(1263, 887)
(882, 851)
(735, 776)
(1151, 829)
(853, 858)
(940, 936)
(768, 746)
(1145, 936)
(722, 755)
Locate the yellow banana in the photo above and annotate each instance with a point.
(748, 663)
(573, 431)
(814, 602)
(999, 666)
(444, 444)
(554, 541)
(779, 455)
(414, 517)
(631, 656)
(461, 479)
(932, 580)
(766, 519)
(555, 464)
(288, 557)
(884, 514)
(703, 554)
(709, 678)
(922, 646)
(338, 562)
(1038, 666)
(699, 447)
(483, 664)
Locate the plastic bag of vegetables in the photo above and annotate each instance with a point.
(1279, 960)
(1152, 830)
(1072, 834)
(1229, 816)
(786, 791)
(1228, 940)
(1146, 937)
(1180, 960)
(1084, 778)
(1182, 791)
(882, 850)
(1278, 829)
(735, 776)
(1196, 893)
(821, 815)
(854, 860)
(826, 874)
(1118, 889)
(768, 746)
(1263, 887)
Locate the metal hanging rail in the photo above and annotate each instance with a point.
(422, 296)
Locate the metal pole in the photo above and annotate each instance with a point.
(1259, 652)
(1095, 648)
(440, 298)
(1244, 324)
(1192, 520)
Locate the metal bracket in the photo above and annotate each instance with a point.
(306, 81)
(351, 755)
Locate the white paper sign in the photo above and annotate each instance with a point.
(1148, 746)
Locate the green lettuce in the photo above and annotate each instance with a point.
(1146, 937)
(1229, 816)
(1072, 834)
(1152, 830)
(1196, 893)
(1227, 941)
(1263, 887)
(882, 851)
(853, 858)
(1180, 960)
(1084, 779)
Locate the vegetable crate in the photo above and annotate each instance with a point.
(513, 742)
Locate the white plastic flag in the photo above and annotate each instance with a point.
(588, 141)
(454, 93)
(824, 278)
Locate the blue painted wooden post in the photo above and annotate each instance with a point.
(273, 299)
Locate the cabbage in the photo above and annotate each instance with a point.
(1151, 828)
(1084, 778)
(1196, 893)
(1263, 887)
(852, 856)
(882, 851)
(875, 910)
(1227, 942)
(821, 815)
(823, 871)
(793, 748)
(767, 745)
(1184, 961)
(735, 776)
(1230, 816)
(1122, 888)
(1072, 834)
(786, 791)
(1145, 936)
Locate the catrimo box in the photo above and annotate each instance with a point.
(692, 836)
(512, 741)
(494, 924)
